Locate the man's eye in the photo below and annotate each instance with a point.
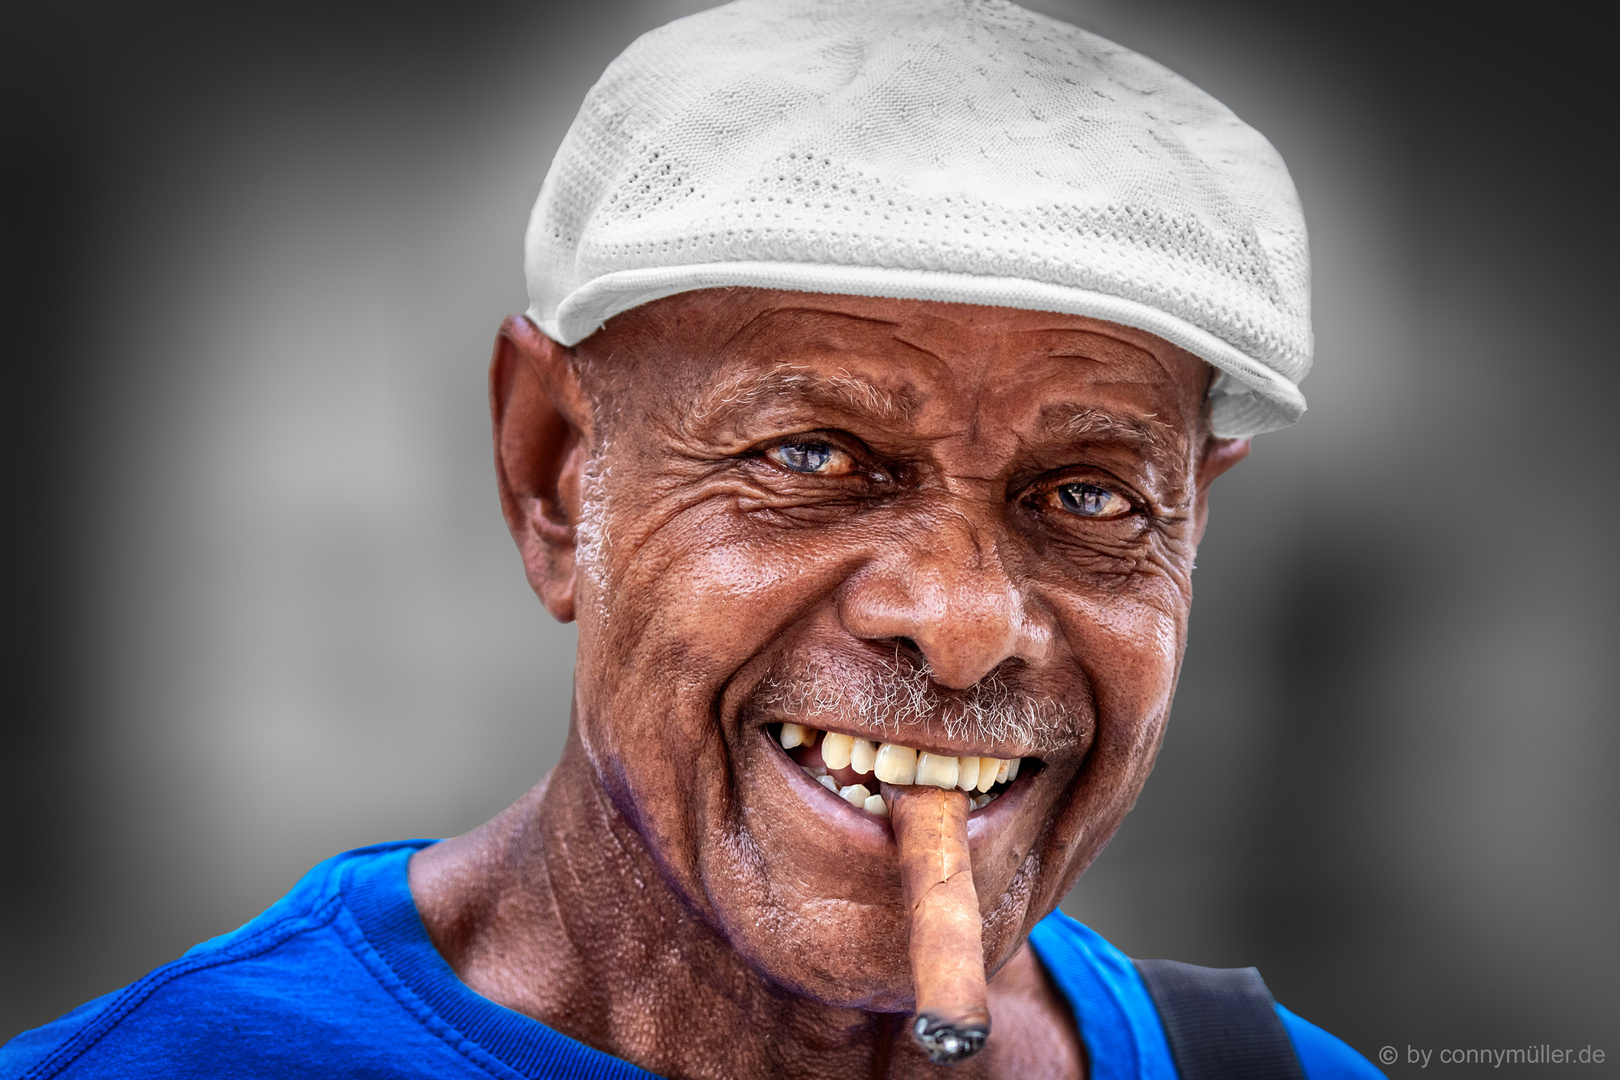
(1089, 500)
(822, 459)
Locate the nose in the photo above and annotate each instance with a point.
(947, 590)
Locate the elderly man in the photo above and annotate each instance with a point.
(881, 358)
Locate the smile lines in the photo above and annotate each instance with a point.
(840, 762)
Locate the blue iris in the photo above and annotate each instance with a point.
(1087, 500)
(805, 457)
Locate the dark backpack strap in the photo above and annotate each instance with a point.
(1220, 1021)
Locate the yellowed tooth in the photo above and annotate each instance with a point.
(936, 770)
(875, 805)
(1001, 772)
(829, 783)
(835, 750)
(862, 753)
(1012, 769)
(855, 794)
(967, 773)
(989, 769)
(796, 735)
(895, 764)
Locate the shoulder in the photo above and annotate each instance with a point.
(247, 997)
(1122, 1026)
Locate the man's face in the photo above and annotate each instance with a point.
(965, 530)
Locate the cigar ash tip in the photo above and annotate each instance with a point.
(947, 1042)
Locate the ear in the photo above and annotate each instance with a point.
(1219, 455)
(542, 433)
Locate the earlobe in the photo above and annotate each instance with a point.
(540, 417)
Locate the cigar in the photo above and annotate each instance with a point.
(942, 916)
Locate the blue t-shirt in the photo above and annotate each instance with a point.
(339, 978)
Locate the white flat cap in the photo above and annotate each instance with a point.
(954, 150)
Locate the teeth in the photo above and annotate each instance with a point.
(896, 764)
(935, 770)
(835, 750)
(862, 755)
(892, 763)
(797, 735)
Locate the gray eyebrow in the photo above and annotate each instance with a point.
(1153, 435)
(842, 389)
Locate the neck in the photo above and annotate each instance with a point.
(555, 909)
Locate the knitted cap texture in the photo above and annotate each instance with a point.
(956, 150)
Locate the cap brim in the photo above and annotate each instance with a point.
(1253, 399)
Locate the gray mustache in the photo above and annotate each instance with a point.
(904, 696)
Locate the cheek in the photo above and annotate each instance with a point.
(1130, 649)
(702, 596)
(688, 599)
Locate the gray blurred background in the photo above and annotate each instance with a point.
(260, 606)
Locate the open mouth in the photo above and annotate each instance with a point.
(853, 768)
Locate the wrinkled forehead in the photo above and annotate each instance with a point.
(714, 354)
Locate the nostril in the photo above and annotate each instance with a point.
(909, 645)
